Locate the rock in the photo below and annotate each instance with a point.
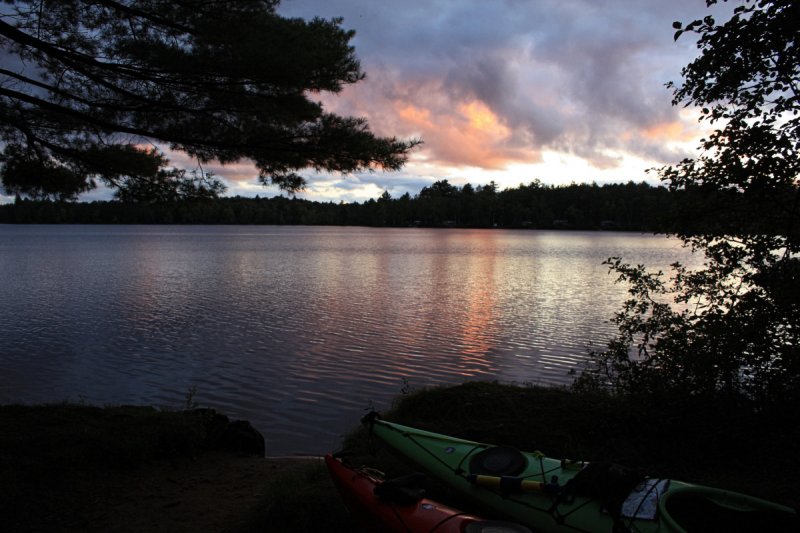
(214, 423)
(237, 436)
(241, 437)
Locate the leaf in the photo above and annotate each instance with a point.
(692, 25)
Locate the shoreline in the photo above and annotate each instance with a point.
(83, 468)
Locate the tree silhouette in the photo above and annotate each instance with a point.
(740, 330)
(630, 206)
(87, 87)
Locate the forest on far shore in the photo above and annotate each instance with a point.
(627, 207)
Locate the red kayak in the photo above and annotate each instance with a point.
(399, 506)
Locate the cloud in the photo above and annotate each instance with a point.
(494, 84)
(360, 187)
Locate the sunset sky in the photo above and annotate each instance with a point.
(508, 90)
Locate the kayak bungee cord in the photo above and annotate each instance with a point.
(444, 521)
(653, 488)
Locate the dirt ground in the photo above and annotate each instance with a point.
(214, 493)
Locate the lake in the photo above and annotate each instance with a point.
(299, 330)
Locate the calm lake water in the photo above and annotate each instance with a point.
(298, 329)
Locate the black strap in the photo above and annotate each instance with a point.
(403, 490)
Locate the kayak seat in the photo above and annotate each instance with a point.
(498, 461)
(694, 512)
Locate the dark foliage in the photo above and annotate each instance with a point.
(86, 87)
(630, 207)
(732, 327)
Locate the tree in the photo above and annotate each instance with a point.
(733, 326)
(89, 88)
(439, 189)
(438, 203)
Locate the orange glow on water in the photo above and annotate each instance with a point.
(478, 327)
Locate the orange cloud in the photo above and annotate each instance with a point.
(482, 119)
(472, 136)
(414, 115)
(670, 131)
(457, 130)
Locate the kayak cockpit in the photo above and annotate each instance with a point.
(704, 509)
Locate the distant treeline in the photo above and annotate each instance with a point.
(631, 206)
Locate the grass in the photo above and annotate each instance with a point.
(711, 443)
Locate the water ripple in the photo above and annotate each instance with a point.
(298, 330)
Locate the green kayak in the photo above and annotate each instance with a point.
(548, 494)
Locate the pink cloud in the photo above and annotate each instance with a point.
(457, 130)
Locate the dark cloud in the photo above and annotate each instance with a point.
(572, 75)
